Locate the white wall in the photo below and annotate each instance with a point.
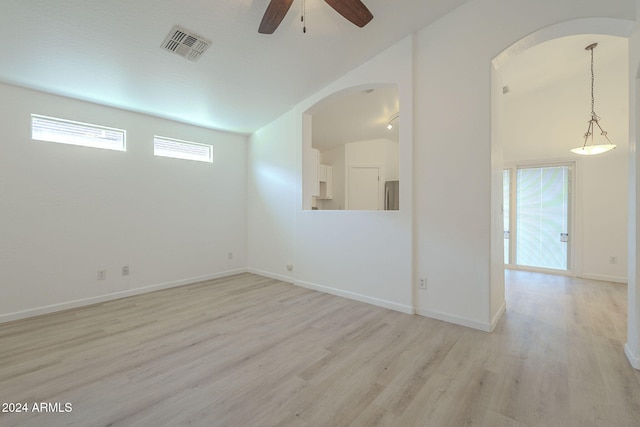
(336, 158)
(273, 186)
(362, 255)
(130, 208)
(632, 346)
(541, 126)
(453, 92)
(68, 211)
(457, 170)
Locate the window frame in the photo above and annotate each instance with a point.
(574, 236)
(176, 155)
(75, 131)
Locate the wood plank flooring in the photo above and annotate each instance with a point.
(252, 351)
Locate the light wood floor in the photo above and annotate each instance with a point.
(250, 351)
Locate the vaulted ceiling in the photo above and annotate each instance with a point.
(109, 52)
(356, 116)
(548, 63)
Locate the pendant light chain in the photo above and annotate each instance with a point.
(303, 17)
(593, 78)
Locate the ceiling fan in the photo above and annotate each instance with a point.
(353, 10)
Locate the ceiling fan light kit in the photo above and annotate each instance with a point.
(353, 10)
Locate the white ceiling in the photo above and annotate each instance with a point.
(548, 63)
(109, 52)
(555, 78)
(359, 116)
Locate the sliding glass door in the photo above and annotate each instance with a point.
(537, 204)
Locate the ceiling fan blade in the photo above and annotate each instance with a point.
(353, 10)
(274, 15)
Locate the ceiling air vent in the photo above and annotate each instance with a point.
(185, 43)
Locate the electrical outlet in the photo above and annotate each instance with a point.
(423, 283)
(125, 270)
(102, 274)
(230, 256)
(613, 260)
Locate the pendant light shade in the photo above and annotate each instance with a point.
(592, 146)
(591, 150)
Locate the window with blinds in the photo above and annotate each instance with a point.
(506, 211)
(178, 149)
(542, 217)
(63, 131)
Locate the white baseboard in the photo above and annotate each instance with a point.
(473, 324)
(116, 295)
(357, 297)
(634, 359)
(602, 278)
(270, 275)
(498, 316)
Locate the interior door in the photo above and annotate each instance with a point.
(364, 188)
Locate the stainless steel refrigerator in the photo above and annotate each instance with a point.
(391, 195)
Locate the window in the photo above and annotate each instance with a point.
(537, 216)
(62, 131)
(506, 209)
(542, 217)
(167, 147)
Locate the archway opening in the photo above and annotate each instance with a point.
(351, 150)
(538, 125)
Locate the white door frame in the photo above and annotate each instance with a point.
(348, 181)
(573, 248)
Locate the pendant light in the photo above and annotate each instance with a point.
(590, 148)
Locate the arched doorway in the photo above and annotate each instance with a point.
(604, 27)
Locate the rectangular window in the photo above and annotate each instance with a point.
(506, 209)
(537, 216)
(542, 217)
(168, 147)
(62, 131)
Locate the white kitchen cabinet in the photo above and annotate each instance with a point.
(322, 173)
(325, 180)
(313, 165)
